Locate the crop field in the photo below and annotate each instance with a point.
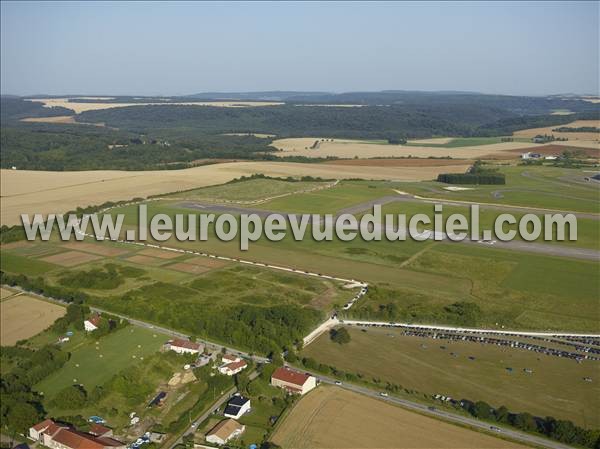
(462, 149)
(94, 362)
(578, 136)
(29, 191)
(82, 107)
(23, 316)
(554, 388)
(331, 417)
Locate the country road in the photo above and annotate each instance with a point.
(446, 415)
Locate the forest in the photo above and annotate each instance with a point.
(174, 137)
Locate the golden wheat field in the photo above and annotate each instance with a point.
(82, 107)
(331, 418)
(593, 138)
(349, 149)
(23, 316)
(29, 191)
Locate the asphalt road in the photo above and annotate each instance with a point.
(448, 416)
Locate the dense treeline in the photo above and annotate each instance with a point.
(383, 305)
(20, 405)
(477, 174)
(39, 286)
(255, 328)
(560, 430)
(15, 108)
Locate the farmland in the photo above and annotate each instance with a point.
(572, 136)
(335, 418)
(555, 388)
(342, 148)
(54, 192)
(24, 316)
(79, 107)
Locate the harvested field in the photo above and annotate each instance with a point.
(532, 132)
(402, 162)
(332, 417)
(6, 293)
(188, 268)
(31, 191)
(161, 254)
(70, 258)
(95, 248)
(23, 317)
(82, 107)
(363, 149)
(65, 119)
(554, 149)
(145, 260)
(259, 135)
(433, 141)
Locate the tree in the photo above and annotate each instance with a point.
(340, 336)
(22, 416)
(72, 397)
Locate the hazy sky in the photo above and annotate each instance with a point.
(180, 48)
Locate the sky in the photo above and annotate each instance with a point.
(172, 48)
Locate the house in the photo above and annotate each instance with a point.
(293, 381)
(229, 369)
(230, 358)
(92, 323)
(99, 430)
(225, 431)
(61, 436)
(530, 155)
(182, 346)
(237, 406)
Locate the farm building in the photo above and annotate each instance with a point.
(293, 381)
(229, 369)
(182, 346)
(530, 155)
(56, 436)
(225, 431)
(92, 323)
(237, 406)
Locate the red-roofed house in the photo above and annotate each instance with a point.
(99, 430)
(92, 323)
(230, 358)
(232, 368)
(293, 381)
(57, 436)
(182, 346)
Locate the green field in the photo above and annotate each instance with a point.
(555, 388)
(544, 187)
(252, 190)
(463, 142)
(93, 363)
(511, 289)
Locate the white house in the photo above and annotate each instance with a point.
(92, 323)
(293, 381)
(225, 431)
(182, 346)
(229, 369)
(237, 406)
